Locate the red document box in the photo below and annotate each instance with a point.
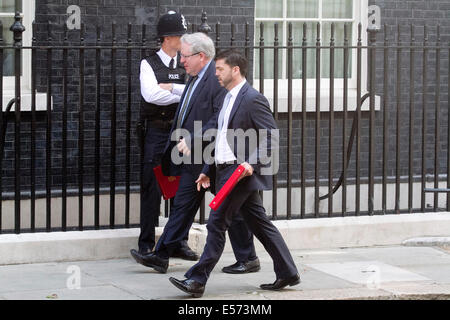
(167, 184)
(226, 189)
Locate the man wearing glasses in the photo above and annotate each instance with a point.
(162, 81)
(201, 100)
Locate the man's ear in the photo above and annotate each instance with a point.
(202, 55)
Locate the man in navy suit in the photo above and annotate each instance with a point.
(199, 104)
(246, 109)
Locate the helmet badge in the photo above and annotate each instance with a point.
(183, 22)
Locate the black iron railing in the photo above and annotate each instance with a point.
(83, 143)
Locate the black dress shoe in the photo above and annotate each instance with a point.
(144, 251)
(151, 260)
(243, 267)
(281, 283)
(186, 253)
(189, 286)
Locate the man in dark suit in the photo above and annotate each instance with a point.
(245, 109)
(183, 155)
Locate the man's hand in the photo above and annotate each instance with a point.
(248, 170)
(202, 181)
(183, 148)
(166, 86)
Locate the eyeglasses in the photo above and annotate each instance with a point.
(188, 56)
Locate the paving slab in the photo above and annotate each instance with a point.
(370, 272)
(403, 256)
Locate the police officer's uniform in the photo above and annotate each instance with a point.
(157, 113)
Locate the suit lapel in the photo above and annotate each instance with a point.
(237, 102)
(182, 98)
(200, 87)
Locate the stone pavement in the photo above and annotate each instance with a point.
(380, 272)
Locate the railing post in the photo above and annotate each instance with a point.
(411, 122)
(17, 28)
(217, 36)
(233, 33)
(81, 131)
(344, 122)
(261, 58)
(48, 133)
(275, 114)
(139, 127)
(437, 139)
(372, 30)
(358, 121)
(128, 131)
(112, 173)
(303, 148)
(65, 54)
(424, 115)
(398, 121)
(331, 124)
(317, 125)
(247, 41)
(385, 120)
(289, 129)
(98, 70)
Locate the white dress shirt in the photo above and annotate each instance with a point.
(223, 151)
(151, 91)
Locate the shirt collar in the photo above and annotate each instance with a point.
(234, 92)
(165, 58)
(202, 72)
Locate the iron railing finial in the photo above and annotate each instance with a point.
(17, 28)
(204, 27)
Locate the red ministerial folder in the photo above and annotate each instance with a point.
(167, 184)
(226, 189)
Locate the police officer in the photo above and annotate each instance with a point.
(162, 81)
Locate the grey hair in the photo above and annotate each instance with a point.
(200, 42)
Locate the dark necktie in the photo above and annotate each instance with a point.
(187, 97)
(172, 62)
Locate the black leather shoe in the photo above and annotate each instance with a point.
(243, 267)
(151, 260)
(144, 251)
(189, 286)
(281, 283)
(186, 253)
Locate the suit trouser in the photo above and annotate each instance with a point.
(155, 141)
(186, 203)
(249, 204)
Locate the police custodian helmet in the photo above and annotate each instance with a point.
(171, 24)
